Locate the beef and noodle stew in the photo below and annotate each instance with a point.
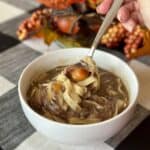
(78, 94)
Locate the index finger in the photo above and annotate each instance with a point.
(104, 6)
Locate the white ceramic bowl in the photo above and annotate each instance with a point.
(78, 134)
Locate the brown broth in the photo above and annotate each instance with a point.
(112, 99)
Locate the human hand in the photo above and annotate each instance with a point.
(129, 14)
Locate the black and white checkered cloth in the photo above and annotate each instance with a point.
(14, 56)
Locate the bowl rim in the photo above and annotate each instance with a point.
(23, 101)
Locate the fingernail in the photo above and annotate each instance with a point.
(130, 25)
(123, 16)
(119, 17)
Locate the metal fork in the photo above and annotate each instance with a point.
(106, 23)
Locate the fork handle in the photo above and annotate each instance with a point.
(106, 23)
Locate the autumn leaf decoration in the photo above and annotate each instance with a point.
(49, 35)
(145, 49)
(59, 4)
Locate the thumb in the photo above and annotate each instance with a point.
(130, 24)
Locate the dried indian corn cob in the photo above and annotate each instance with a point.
(33, 24)
(133, 41)
(114, 35)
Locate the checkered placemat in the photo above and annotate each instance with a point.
(14, 56)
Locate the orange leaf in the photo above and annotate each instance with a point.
(39, 34)
(49, 35)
